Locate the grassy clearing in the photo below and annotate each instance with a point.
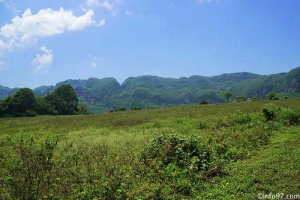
(225, 151)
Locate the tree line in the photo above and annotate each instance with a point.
(62, 101)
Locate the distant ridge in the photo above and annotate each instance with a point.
(152, 91)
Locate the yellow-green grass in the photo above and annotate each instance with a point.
(263, 166)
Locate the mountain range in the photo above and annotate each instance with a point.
(107, 94)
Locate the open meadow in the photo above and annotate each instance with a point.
(238, 150)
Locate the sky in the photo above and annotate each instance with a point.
(43, 42)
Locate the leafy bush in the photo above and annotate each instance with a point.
(29, 167)
(203, 102)
(168, 149)
(290, 117)
(122, 108)
(272, 96)
(241, 118)
(283, 115)
(269, 112)
(240, 98)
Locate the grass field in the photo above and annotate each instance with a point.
(241, 150)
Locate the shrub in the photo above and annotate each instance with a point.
(241, 118)
(203, 102)
(269, 112)
(122, 108)
(168, 149)
(29, 167)
(272, 96)
(290, 117)
(255, 98)
(240, 98)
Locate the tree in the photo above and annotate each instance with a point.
(272, 96)
(227, 95)
(122, 108)
(83, 109)
(255, 98)
(63, 100)
(22, 103)
(240, 98)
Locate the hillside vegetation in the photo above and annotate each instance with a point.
(224, 151)
(102, 95)
(61, 101)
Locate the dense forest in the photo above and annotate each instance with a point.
(62, 101)
(107, 94)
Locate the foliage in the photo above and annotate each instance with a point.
(269, 112)
(102, 95)
(122, 108)
(22, 103)
(30, 167)
(294, 80)
(272, 96)
(62, 101)
(240, 98)
(185, 153)
(83, 109)
(227, 95)
(203, 102)
(224, 151)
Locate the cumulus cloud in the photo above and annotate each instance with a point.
(43, 61)
(47, 22)
(93, 64)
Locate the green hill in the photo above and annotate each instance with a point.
(107, 94)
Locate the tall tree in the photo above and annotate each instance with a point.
(63, 100)
(22, 103)
(227, 95)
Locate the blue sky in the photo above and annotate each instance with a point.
(44, 42)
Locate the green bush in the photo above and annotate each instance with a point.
(272, 96)
(29, 167)
(203, 102)
(290, 117)
(168, 149)
(269, 112)
(241, 118)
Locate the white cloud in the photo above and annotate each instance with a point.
(96, 3)
(10, 6)
(47, 22)
(101, 22)
(2, 46)
(92, 60)
(92, 3)
(43, 61)
(107, 5)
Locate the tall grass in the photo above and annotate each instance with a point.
(170, 153)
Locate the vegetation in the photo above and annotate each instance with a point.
(272, 96)
(62, 101)
(103, 95)
(227, 95)
(236, 150)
